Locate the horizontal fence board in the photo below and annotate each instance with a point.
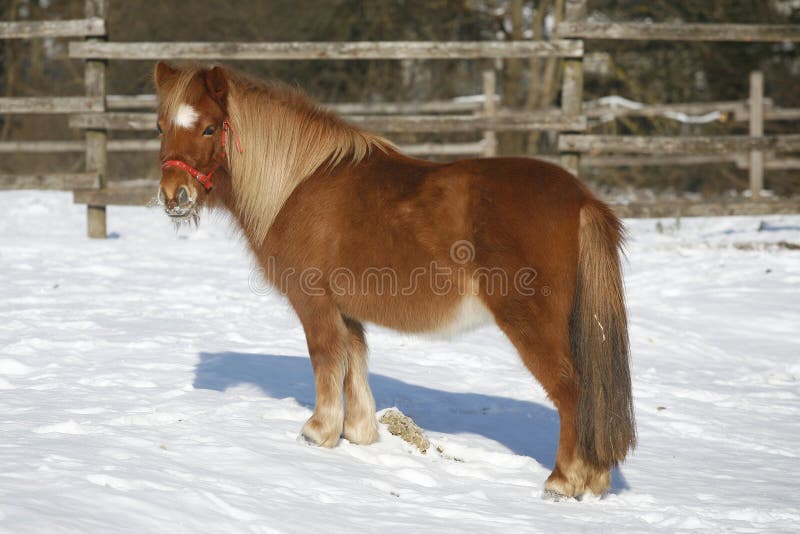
(783, 164)
(438, 149)
(644, 31)
(632, 144)
(326, 50)
(443, 149)
(592, 110)
(511, 121)
(114, 145)
(740, 160)
(50, 104)
(117, 102)
(655, 161)
(721, 207)
(507, 121)
(114, 121)
(134, 145)
(149, 102)
(401, 108)
(13, 147)
(771, 163)
(29, 29)
(153, 145)
(779, 114)
(136, 195)
(62, 181)
(142, 192)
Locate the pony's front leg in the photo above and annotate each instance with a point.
(360, 424)
(326, 335)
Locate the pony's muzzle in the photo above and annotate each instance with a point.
(178, 202)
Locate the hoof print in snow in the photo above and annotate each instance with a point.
(402, 425)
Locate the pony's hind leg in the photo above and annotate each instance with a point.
(360, 425)
(540, 334)
(327, 337)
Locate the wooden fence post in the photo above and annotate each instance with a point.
(756, 104)
(96, 139)
(572, 82)
(490, 110)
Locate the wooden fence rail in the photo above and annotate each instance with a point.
(149, 102)
(63, 181)
(326, 50)
(50, 104)
(52, 28)
(506, 121)
(740, 160)
(154, 145)
(648, 31)
(736, 110)
(143, 192)
(56, 147)
(635, 144)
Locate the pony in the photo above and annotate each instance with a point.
(353, 231)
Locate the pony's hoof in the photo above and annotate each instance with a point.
(363, 433)
(554, 496)
(305, 440)
(314, 434)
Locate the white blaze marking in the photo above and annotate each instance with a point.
(186, 116)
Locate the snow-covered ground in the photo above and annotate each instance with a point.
(147, 384)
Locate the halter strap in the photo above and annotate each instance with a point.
(205, 178)
(226, 127)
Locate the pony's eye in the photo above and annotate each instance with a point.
(209, 131)
(158, 127)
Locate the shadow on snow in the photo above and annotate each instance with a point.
(526, 428)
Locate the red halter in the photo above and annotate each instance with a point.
(205, 178)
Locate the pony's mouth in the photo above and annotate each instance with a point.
(180, 215)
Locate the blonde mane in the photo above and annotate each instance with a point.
(285, 138)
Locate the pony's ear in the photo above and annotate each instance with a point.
(161, 72)
(217, 85)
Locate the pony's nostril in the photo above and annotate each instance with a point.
(183, 195)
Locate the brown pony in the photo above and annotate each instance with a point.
(353, 231)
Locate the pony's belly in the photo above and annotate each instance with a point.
(423, 311)
(433, 317)
(469, 313)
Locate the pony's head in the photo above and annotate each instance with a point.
(285, 138)
(192, 122)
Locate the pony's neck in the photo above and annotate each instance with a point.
(285, 139)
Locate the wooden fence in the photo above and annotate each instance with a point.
(576, 26)
(98, 113)
(90, 27)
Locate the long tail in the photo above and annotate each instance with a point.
(599, 339)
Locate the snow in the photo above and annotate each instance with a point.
(614, 102)
(148, 383)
